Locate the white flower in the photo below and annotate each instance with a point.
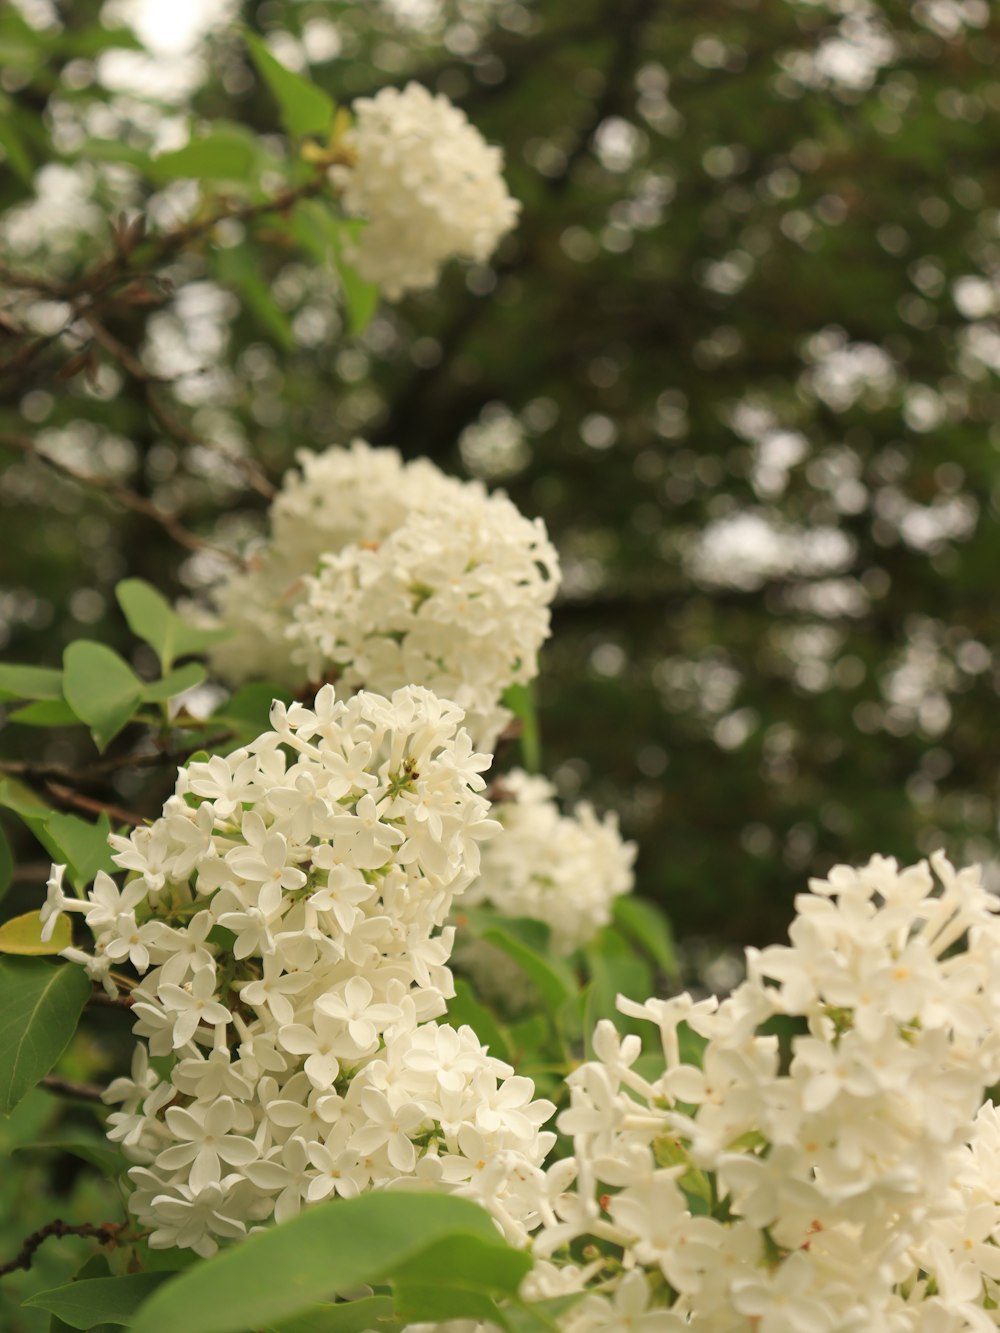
(387, 574)
(306, 950)
(428, 185)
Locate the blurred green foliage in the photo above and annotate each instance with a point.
(741, 355)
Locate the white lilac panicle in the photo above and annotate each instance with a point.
(849, 1182)
(383, 573)
(565, 870)
(286, 917)
(428, 185)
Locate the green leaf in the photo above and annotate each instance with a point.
(520, 699)
(174, 682)
(76, 843)
(464, 1007)
(360, 296)
(29, 682)
(46, 713)
(101, 688)
(526, 942)
(540, 1316)
(248, 711)
(334, 1246)
(99, 1300)
(6, 864)
(615, 970)
(151, 618)
(23, 935)
(226, 152)
(433, 1303)
(321, 232)
(15, 151)
(371, 1312)
(16, 796)
(98, 1154)
(305, 109)
(240, 268)
(645, 924)
(41, 1006)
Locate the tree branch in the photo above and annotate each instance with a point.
(105, 1232)
(128, 499)
(67, 1087)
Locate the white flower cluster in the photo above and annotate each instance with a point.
(421, 579)
(846, 1180)
(565, 870)
(287, 913)
(429, 186)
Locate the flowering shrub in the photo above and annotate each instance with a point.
(814, 1154)
(385, 574)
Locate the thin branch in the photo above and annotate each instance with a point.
(94, 772)
(102, 1000)
(67, 1087)
(122, 495)
(69, 797)
(105, 1232)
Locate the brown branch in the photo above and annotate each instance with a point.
(94, 772)
(102, 1000)
(128, 499)
(69, 797)
(251, 470)
(67, 1087)
(105, 1232)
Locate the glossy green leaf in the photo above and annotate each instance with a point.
(320, 231)
(14, 149)
(332, 1247)
(46, 713)
(371, 1312)
(526, 942)
(645, 924)
(17, 796)
(174, 682)
(248, 711)
(465, 1007)
(101, 688)
(100, 1154)
(23, 935)
(520, 699)
(304, 108)
(240, 268)
(99, 1300)
(78, 844)
(29, 682)
(41, 1004)
(227, 152)
(6, 863)
(151, 618)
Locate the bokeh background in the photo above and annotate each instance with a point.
(741, 355)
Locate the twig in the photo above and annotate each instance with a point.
(94, 772)
(138, 504)
(105, 1232)
(176, 428)
(70, 797)
(67, 1087)
(102, 1000)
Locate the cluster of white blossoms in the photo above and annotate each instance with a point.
(427, 183)
(564, 870)
(286, 915)
(383, 573)
(830, 1166)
